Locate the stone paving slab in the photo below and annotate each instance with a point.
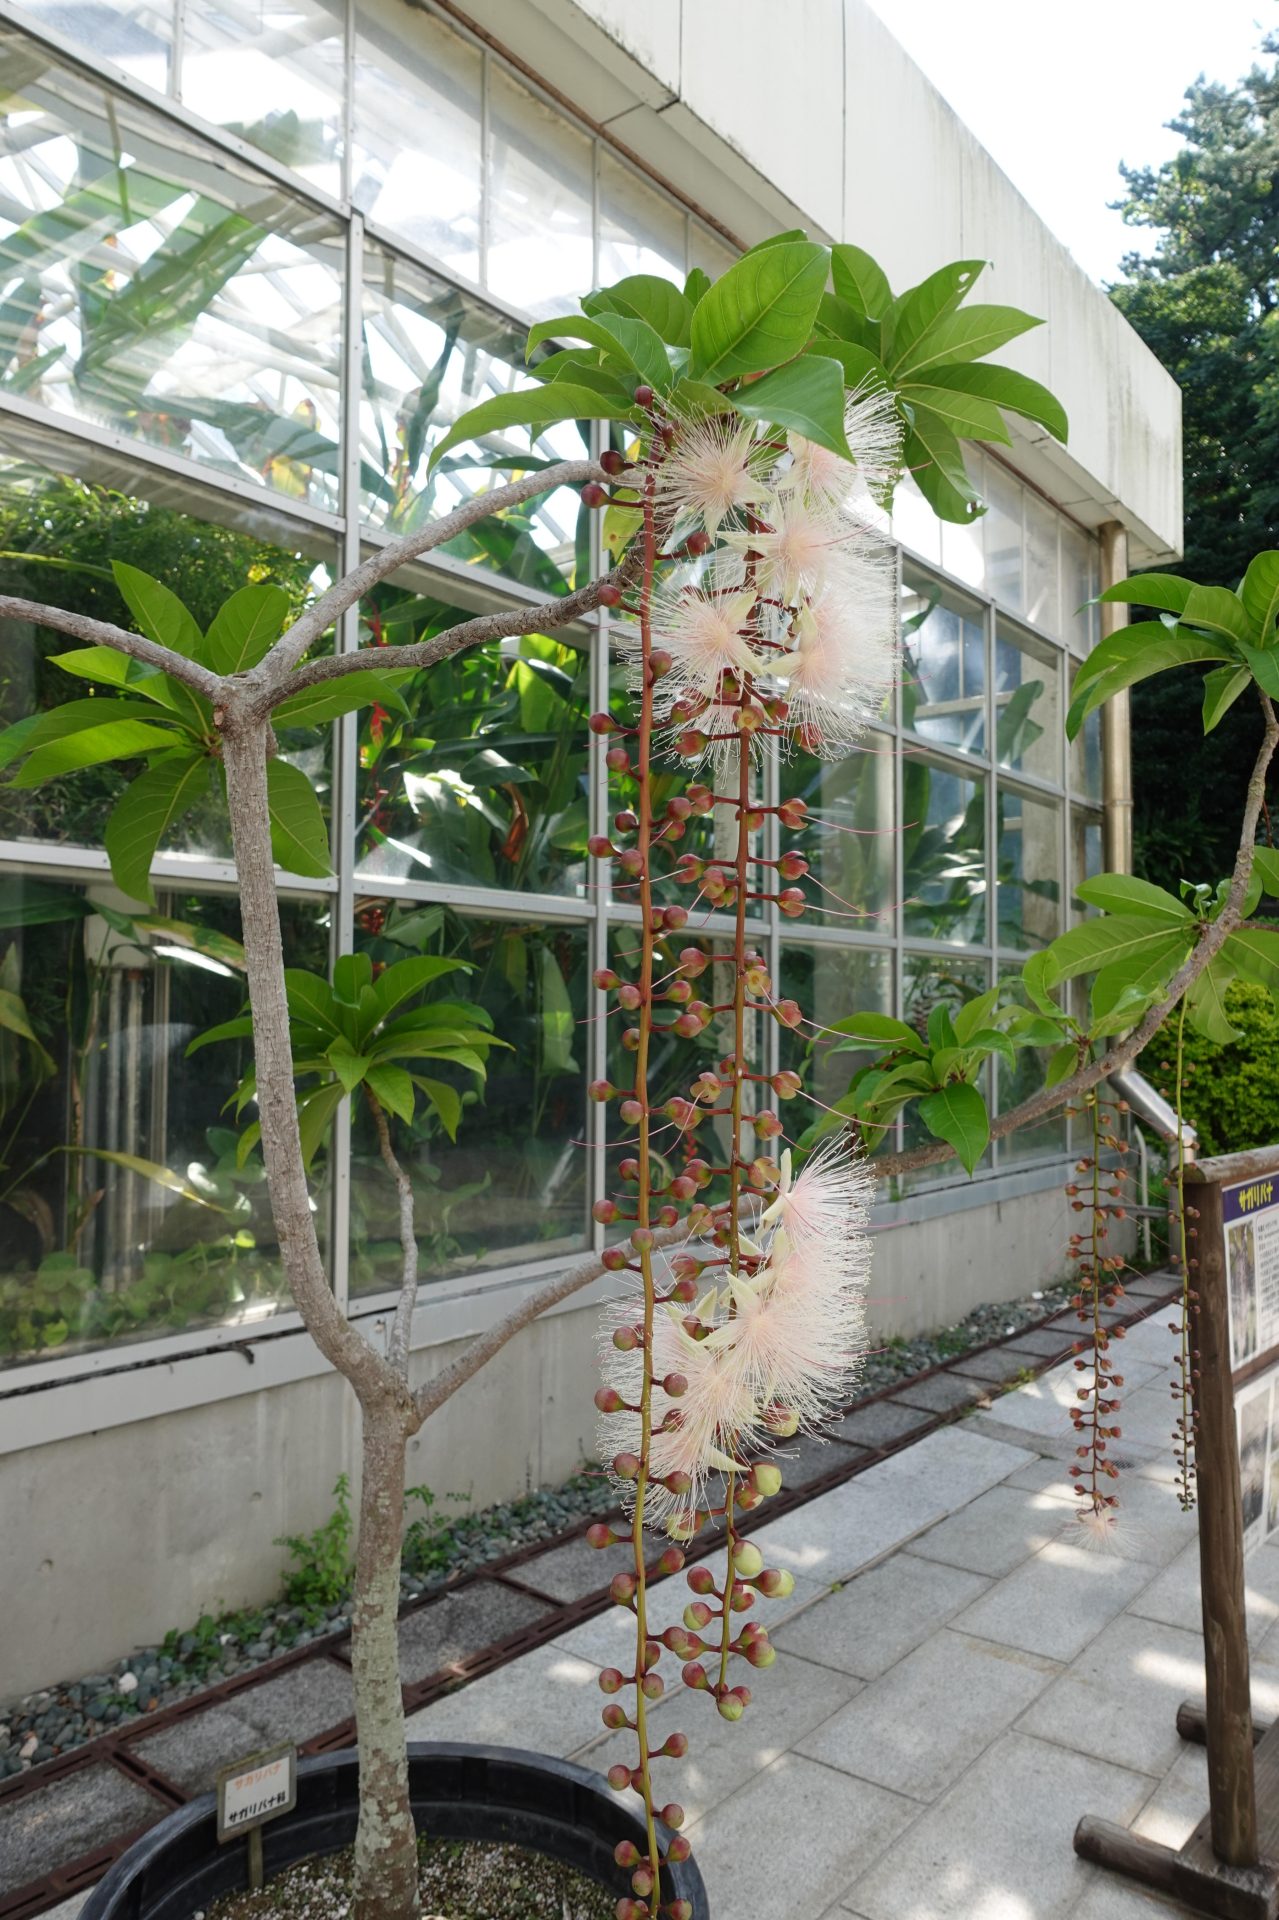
(870, 1624)
(41, 1831)
(1057, 1602)
(1038, 1340)
(996, 1532)
(881, 1424)
(808, 1458)
(916, 1728)
(1119, 1698)
(996, 1367)
(295, 1705)
(609, 1639)
(566, 1573)
(547, 1700)
(944, 1393)
(461, 1624)
(998, 1845)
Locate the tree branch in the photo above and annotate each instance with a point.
(397, 1351)
(102, 633)
(278, 664)
(1209, 944)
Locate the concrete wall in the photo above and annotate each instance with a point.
(811, 114)
(113, 1536)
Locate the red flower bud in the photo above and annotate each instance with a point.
(593, 494)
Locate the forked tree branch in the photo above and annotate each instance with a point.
(102, 633)
(397, 1351)
(1211, 940)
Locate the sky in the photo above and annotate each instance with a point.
(1059, 95)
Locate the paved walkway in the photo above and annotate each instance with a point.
(957, 1681)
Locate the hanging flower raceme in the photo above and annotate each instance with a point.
(715, 472)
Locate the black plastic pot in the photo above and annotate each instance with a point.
(457, 1792)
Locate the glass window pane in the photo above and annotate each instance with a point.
(944, 852)
(1085, 757)
(93, 1251)
(641, 230)
(1018, 1083)
(1028, 893)
(1028, 730)
(134, 35)
(272, 71)
(417, 159)
(513, 1186)
(486, 783)
(430, 355)
(541, 249)
(1087, 854)
(928, 981)
(1041, 564)
(74, 524)
(848, 837)
(1080, 582)
(915, 524)
(709, 251)
(165, 294)
(1004, 571)
(830, 983)
(963, 548)
(943, 665)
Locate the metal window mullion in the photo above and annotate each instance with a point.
(178, 49)
(486, 168)
(346, 738)
(348, 102)
(992, 778)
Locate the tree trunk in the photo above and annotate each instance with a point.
(385, 1842)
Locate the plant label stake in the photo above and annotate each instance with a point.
(1229, 1867)
(254, 1790)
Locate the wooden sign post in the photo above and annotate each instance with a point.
(1229, 1867)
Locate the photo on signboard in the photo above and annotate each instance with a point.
(1254, 1429)
(1242, 1268)
(1272, 1466)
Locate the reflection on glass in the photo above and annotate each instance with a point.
(830, 983)
(1004, 572)
(1080, 582)
(943, 667)
(55, 533)
(134, 35)
(1087, 853)
(417, 158)
(1028, 731)
(930, 981)
(640, 229)
(430, 354)
(943, 852)
(160, 294)
(709, 251)
(1028, 886)
(513, 1186)
(915, 524)
(1041, 564)
(848, 837)
(541, 251)
(169, 1233)
(486, 782)
(1018, 1083)
(272, 71)
(963, 548)
(1085, 757)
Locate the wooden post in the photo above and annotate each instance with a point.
(1228, 1718)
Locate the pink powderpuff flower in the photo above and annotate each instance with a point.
(843, 653)
(715, 471)
(700, 627)
(798, 550)
(873, 430)
(827, 1204)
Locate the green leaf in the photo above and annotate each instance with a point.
(1167, 591)
(151, 1170)
(1206, 1003)
(941, 1028)
(1265, 866)
(697, 285)
(1222, 687)
(1061, 1066)
(13, 1017)
(937, 465)
(969, 334)
(759, 313)
(91, 746)
(299, 837)
(878, 1030)
(966, 414)
(238, 1029)
(393, 1088)
(988, 1040)
(1036, 978)
(807, 396)
(1139, 974)
(1011, 391)
(555, 1015)
(1153, 656)
(349, 1067)
(620, 337)
(74, 716)
(694, 396)
(957, 1115)
(1117, 647)
(1263, 664)
(111, 669)
(1218, 611)
(38, 903)
(352, 976)
(532, 407)
(245, 627)
(860, 281)
(1259, 592)
(648, 297)
(1099, 943)
(311, 1000)
(923, 307)
(1123, 893)
(974, 1014)
(315, 1116)
(1255, 953)
(861, 367)
(583, 367)
(157, 612)
(316, 705)
(400, 982)
(446, 1100)
(143, 814)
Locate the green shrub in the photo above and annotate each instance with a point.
(1231, 1093)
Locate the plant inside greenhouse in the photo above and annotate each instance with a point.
(750, 432)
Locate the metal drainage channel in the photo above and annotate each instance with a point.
(116, 1749)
